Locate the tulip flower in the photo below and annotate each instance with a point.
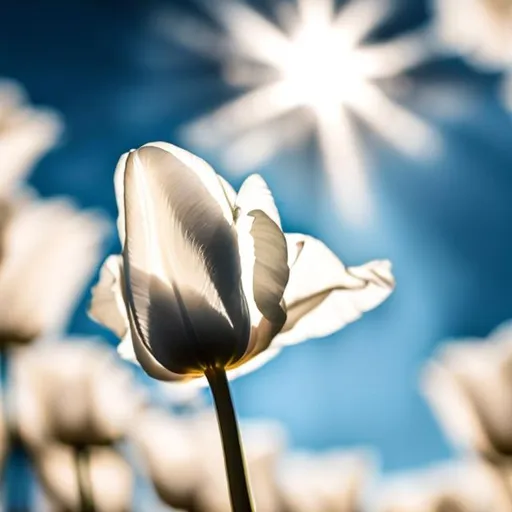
(462, 486)
(323, 482)
(183, 456)
(109, 478)
(49, 251)
(26, 133)
(208, 279)
(478, 29)
(469, 385)
(275, 289)
(73, 393)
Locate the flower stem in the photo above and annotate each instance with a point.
(233, 452)
(83, 476)
(501, 472)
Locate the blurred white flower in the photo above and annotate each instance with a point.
(462, 486)
(26, 134)
(478, 29)
(208, 279)
(324, 482)
(73, 392)
(469, 385)
(183, 456)
(109, 475)
(309, 72)
(49, 252)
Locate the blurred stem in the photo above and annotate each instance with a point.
(16, 474)
(83, 476)
(501, 470)
(231, 443)
(5, 413)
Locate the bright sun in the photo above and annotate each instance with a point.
(311, 71)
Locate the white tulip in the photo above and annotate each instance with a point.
(207, 277)
(49, 252)
(75, 392)
(26, 133)
(469, 385)
(461, 486)
(323, 482)
(109, 475)
(478, 29)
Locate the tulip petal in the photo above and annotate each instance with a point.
(26, 134)
(138, 352)
(323, 295)
(254, 194)
(454, 408)
(468, 385)
(39, 292)
(182, 264)
(107, 304)
(229, 192)
(126, 351)
(264, 275)
(119, 191)
(211, 181)
(183, 332)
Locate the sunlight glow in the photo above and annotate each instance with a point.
(310, 72)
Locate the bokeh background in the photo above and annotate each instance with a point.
(444, 221)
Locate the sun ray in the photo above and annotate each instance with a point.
(392, 122)
(394, 57)
(317, 12)
(251, 33)
(356, 19)
(344, 164)
(250, 110)
(252, 149)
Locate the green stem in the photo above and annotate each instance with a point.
(83, 476)
(233, 453)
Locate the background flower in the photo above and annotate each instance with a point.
(26, 133)
(184, 459)
(110, 477)
(463, 486)
(50, 250)
(484, 33)
(470, 387)
(73, 392)
(323, 482)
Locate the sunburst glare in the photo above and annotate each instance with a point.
(309, 72)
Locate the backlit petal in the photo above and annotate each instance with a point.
(107, 304)
(254, 194)
(264, 275)
(49, 252)
(119, 191)
(182, 264)
(134, 349)
(229, 192)
(323, 295)
(215, 185)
